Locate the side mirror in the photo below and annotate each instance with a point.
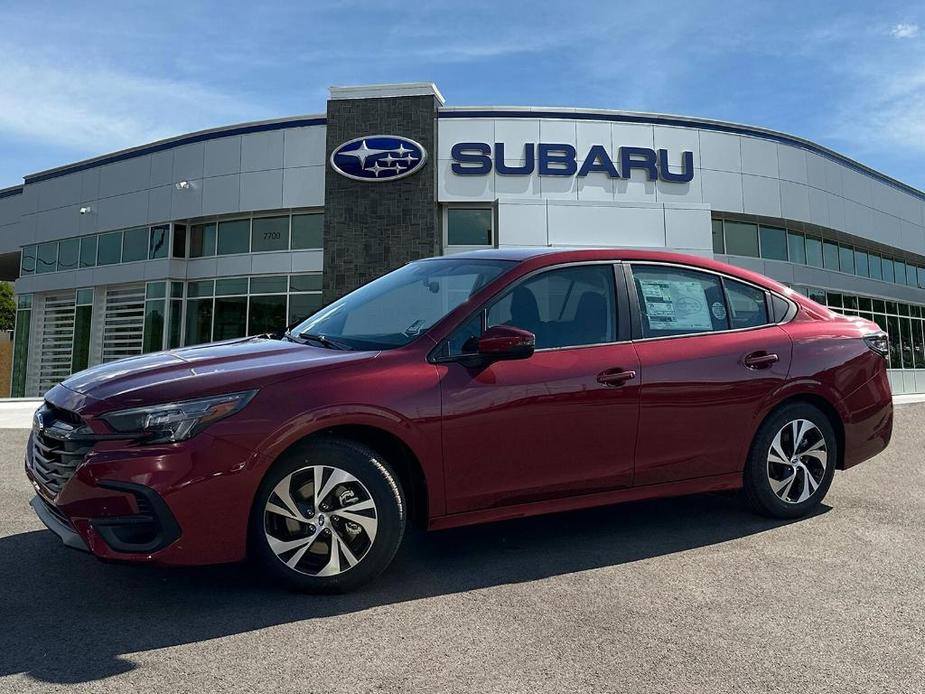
(506, 342)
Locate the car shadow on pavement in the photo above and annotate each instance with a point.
(66, 617)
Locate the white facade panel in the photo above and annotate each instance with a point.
(794, 201)
(262, 190)
(759, 157)
(222, 156)
(688, 230)
(221, 194)
(304, 146)
(522, 223)
(188, 162)
(720, 152)
(722, 190)
(262, 151)
(303, 186)
(127, 176)
(791, 163)
(605, 225)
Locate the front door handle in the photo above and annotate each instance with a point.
(760, 360)
(615, 377)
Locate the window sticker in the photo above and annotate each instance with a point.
(718, 310)
(675, 304)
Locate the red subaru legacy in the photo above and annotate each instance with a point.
(460, 390)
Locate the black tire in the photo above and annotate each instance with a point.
(376, 480)
(757, 487)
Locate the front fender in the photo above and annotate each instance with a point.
(424, 445)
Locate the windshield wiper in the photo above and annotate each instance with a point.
(326, 342)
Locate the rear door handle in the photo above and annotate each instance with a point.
(615, 377)
(760, 360)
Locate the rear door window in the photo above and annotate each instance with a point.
(748, 306)
(678, 301)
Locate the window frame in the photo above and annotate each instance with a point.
(636, 312)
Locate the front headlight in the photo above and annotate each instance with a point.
(176, 421)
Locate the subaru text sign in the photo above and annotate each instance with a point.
(378, 158)
(558, 159)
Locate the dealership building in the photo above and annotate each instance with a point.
(242, 229)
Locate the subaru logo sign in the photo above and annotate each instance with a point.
(378, 158)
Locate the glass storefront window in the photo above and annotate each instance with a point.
(741, 239)
(109, 251)
(830, 255)
(198, 321)
(233, 285)
(200, 288)
(27, 261)
(88, 251)
(230, 317)
(155, 315)
(899, 272)
(269, 284)
(179, 241)
(202, 240)
(234, 237)
(156, 290)
(796, 248)
(813, 251)
(159, 241)
(68, 252)
(718, 245)
(921, 277)
(911, 278)
(301, 306)
(472, 227)
(860, 263)
(773, 243)
(46, 257)
(874, 267)
(305, 283)
(846, 259)
(174, 324)
(918, 345)
(267, 314)
(134, 244)
(887, 266)
(21, 347)
(270, 234)
(307, 230)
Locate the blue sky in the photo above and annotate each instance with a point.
(82, 79)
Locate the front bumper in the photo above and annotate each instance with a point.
(173, 504)
(57, 524)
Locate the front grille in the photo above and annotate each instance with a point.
(57, 449)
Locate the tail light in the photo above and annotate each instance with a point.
(878, 342)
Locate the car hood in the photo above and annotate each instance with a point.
(191, 372)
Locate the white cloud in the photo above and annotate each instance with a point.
(99, 109)
(905, 31)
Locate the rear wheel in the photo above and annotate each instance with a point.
(329, 517)
(792, 462)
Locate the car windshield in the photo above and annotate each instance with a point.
(396, 308)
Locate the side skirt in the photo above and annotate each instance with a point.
(699, 485)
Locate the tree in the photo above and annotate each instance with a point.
(7, 306)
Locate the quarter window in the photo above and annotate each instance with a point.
(676, 301)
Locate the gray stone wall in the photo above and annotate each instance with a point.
(372, 228)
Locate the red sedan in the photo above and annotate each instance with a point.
(460, 390)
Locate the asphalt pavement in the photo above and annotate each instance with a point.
(679, 595)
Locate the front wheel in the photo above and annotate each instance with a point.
(328, 517)
(791, 463)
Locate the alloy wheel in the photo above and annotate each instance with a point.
(320, 520)
(797, 461)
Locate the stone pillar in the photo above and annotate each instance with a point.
(372, 227)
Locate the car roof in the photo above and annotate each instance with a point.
(540, 256)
